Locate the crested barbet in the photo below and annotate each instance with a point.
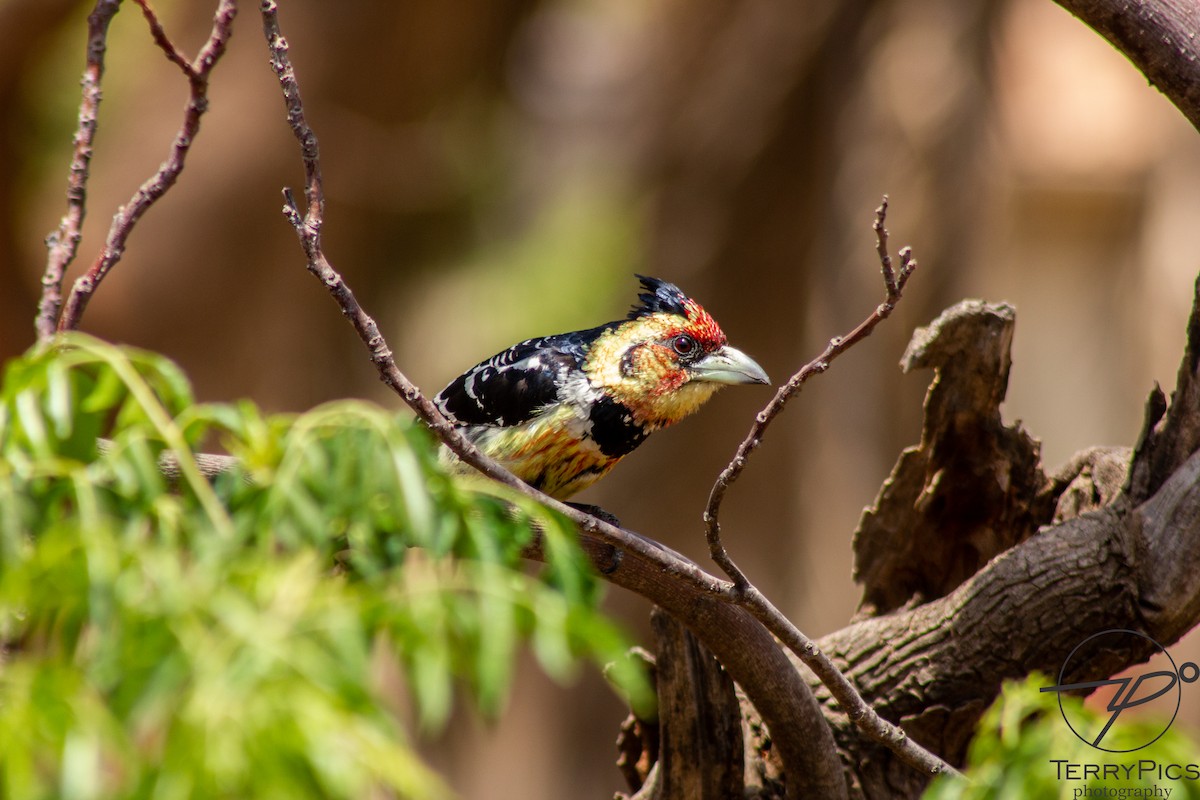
(560, 411)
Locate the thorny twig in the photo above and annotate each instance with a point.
(63, 243)
(308, 230)
(127, 216)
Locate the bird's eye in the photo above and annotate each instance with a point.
(683, 344)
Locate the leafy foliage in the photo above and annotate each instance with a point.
(1023, 747)
(174, 637)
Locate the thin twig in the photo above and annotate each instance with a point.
(881, 247)
(748, 595)
(308, 230)
(894, 283)
(127, 216)
(159, 34)
(63, 243)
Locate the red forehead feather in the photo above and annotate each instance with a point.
(702, 327)
(679, 313)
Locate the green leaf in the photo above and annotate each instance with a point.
(1022, 736)
(193, 638)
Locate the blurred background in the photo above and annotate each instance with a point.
(499, 169)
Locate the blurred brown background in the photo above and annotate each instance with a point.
(499, 169)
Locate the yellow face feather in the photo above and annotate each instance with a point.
(636, 364)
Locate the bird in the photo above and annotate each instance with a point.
(561, 411)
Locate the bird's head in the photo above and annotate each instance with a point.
(668, 357)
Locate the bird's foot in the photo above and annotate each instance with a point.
(609, 560)
(597, 512)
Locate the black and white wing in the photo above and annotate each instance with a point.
(515, 385)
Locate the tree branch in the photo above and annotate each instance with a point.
(937, 667)
(198, 73)
(164, 42)
(1158, 36)
(894, 284)
(749, 596)
(63, 243)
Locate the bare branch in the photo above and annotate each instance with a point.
(895, 286)
(63, 243)
(881, 247)
(163, 41)
(747, 595)
(936, 521)
(1158, 36)
(848, 697)
(164, 178)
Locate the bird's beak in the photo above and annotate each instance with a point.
(728, 365)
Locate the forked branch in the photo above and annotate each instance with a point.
(894, 283)
(64, 242)
(748, 595)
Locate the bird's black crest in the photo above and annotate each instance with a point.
(662, 296)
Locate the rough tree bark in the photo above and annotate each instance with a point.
(1106, 559)
(1091, 555)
